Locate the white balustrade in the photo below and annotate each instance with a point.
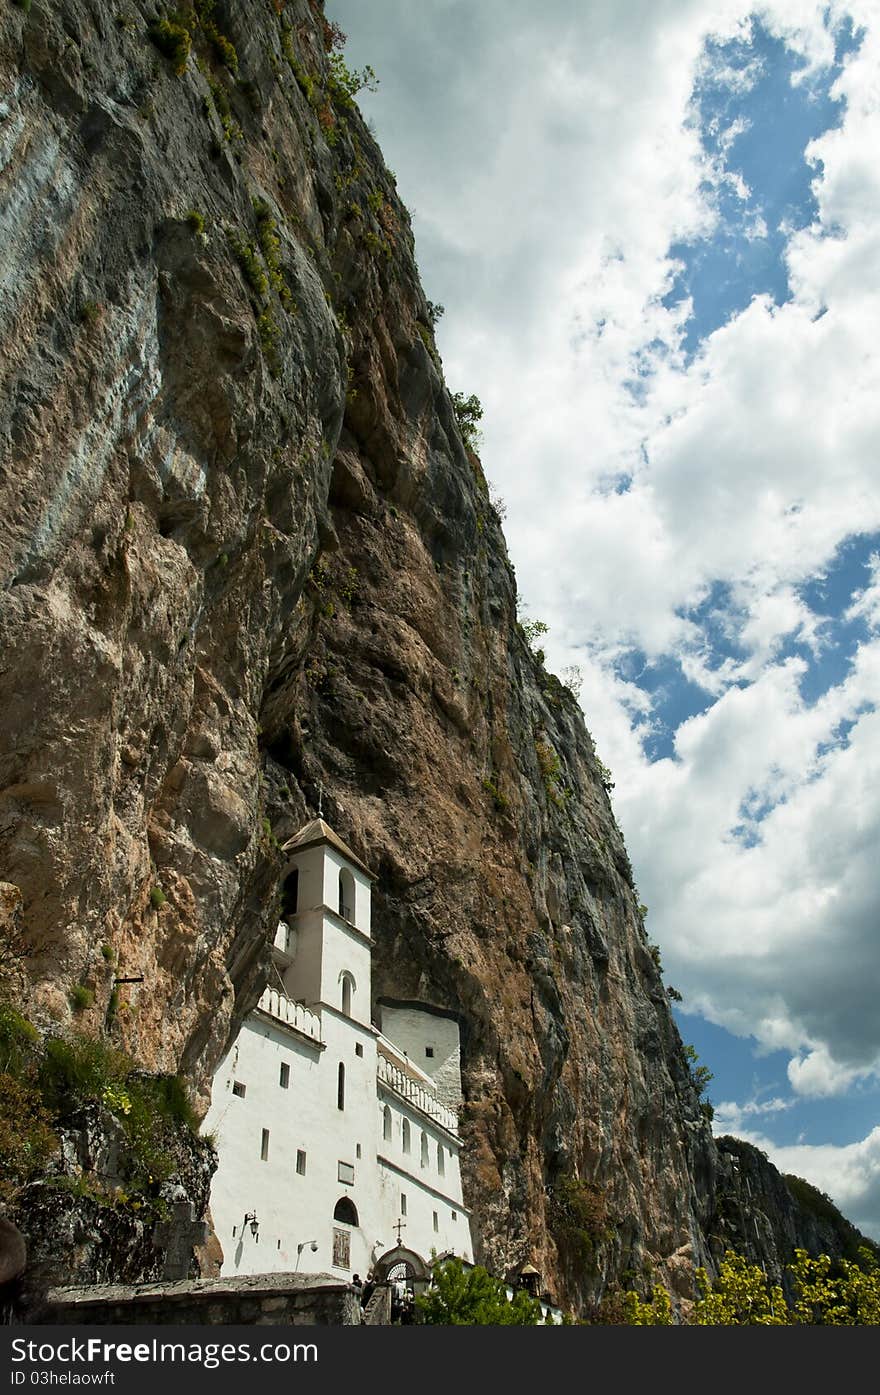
(297, 1015)
(415, 1094)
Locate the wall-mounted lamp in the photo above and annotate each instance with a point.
(301, 1246)
(251, 1219)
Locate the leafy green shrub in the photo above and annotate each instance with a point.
(223, 47)
(19, 1041)
(578, 1216)
(81, 997)
(157, 898)
(107, 953)
(498, 799)
(73, 1072)
(344, 83)
(551, 771)
(604, 776)
(246, 255)
(217, 104)
(267, 329)
(741, 1296)
(472, 1298)
(195, 221)
(270, 245)
(468, 411)
(172, 40)
(26, 1137)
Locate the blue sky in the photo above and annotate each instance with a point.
(656, 231)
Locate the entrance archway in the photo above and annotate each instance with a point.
(401, 1265)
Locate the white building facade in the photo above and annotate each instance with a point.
(337, 1139)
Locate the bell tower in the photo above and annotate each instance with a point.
(323, 944)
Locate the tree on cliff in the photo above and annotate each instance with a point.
(463, 1297)
(845, 1295)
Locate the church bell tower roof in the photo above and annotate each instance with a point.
(316, 832)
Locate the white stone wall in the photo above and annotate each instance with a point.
(417, 1032)
(304, 1116)
(293, 1208)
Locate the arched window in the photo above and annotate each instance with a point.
(441, 1160)
(406, 1135)
(346, 1211)
(424, 1158)
(340, 1087)
(346, 895)
(386, 1122)
(348, 987)
(290, 895)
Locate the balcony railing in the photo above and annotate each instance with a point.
(415, 1095)
(297, 1015)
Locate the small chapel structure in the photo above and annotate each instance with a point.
(337, 1136)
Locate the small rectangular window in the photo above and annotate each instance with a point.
(403, 1203)
(359, 1048)
(239, 1089)
(357, 1150)
(345, 1173)
(429, 1051)
(436, 1221)
(455, 1215)
(284, 1080)
(300, 1162)
(264, 1146)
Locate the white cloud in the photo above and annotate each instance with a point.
(564, 168)
(731, 1117)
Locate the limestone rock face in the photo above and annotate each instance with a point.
(244, 550)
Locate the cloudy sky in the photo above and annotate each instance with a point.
(655, 227)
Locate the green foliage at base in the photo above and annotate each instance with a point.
(43, 1083)
(845, 1295)
(463, 1297)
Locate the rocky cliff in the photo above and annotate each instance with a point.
(245, 550)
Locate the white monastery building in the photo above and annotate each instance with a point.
(338, 1139)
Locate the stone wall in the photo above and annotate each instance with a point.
(277, 1300)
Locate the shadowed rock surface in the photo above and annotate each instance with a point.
(244, 549)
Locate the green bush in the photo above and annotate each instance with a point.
(172, 40)
(345, 83)
(81, 997)
(73, 1072)
(26, 1137)
(246, 255)
(157, 898)
(472, 1298)
(44, 1083)
(19, 1041)
(195, 220)
(741, 1296)
(468, 411)
(270, 246)
(579, 1217)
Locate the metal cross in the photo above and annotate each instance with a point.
(401, 1225)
